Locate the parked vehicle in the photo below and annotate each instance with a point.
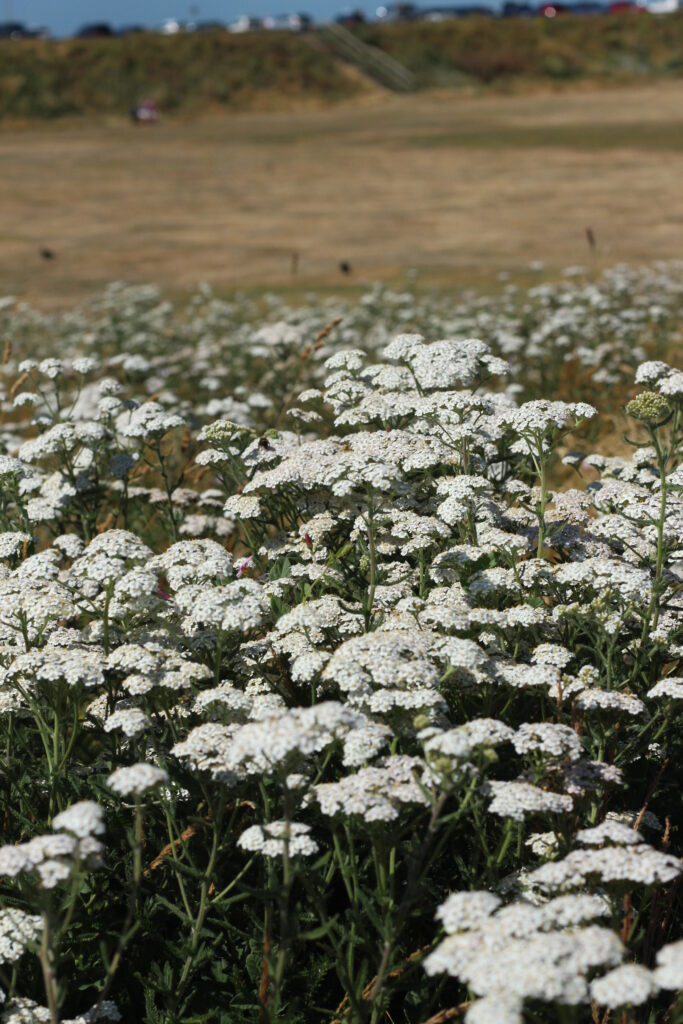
(17, 30)
(551, 10)
(350, 18)
(245, 23)
(171, 27)
(210, 26)
(398, 12)
(436, 15)
(517, 10)
(587, 7)
(662, 6)
(288, 22)
(472, 10)
(96, 30)
(13, 30)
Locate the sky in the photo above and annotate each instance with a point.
(65, 16)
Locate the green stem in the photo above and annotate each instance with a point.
(372, 584)
(130, 925)
(204, 904)
(46, 957)
(542, 473)
(404, 908)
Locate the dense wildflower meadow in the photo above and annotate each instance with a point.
(341, 657)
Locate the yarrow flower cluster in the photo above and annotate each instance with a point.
(54, 857)
(309, 645)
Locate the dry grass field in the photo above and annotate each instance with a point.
(456, 186)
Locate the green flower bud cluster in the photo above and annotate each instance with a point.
(649, 406)
(223, 432)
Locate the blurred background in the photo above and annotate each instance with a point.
(331, 147)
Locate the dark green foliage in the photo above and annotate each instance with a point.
(185, 73)
(485, 50)
(199, 72)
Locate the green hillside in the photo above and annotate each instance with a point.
(196, 72)
(615, 47)
(183, 73)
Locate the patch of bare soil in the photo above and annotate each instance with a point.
(456, 186)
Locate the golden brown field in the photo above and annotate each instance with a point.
(457, 186)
